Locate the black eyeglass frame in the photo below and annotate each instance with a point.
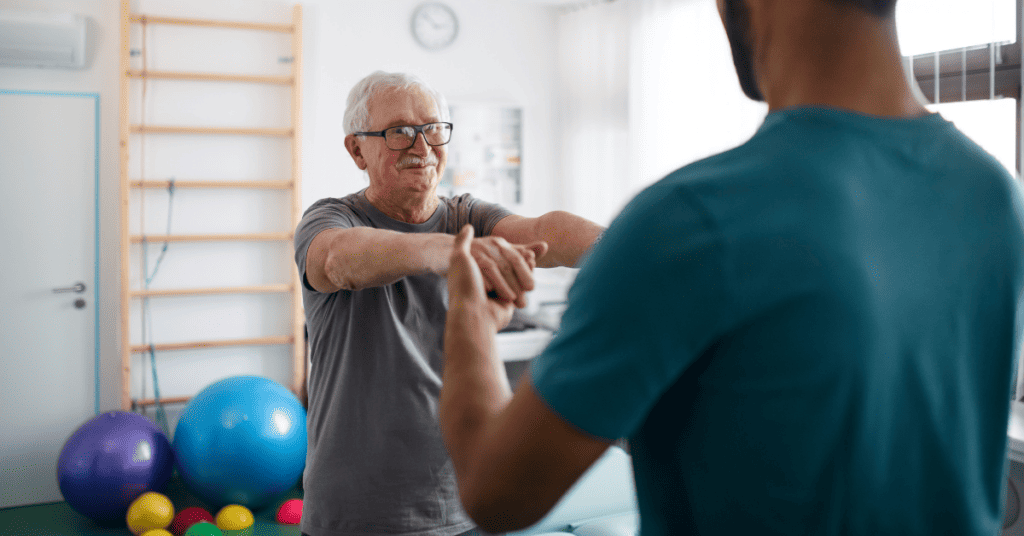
(418, 129)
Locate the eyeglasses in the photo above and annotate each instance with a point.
(403, 137)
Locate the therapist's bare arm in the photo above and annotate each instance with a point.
(363, 257)
(568, 236)
(513, 457)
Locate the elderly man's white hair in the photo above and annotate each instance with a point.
(357, 110)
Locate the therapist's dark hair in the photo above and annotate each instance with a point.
(879, 8)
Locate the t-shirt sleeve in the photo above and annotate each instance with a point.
(646, 303)
(481, 214)
(321, 216)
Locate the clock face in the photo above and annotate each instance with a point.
(434, 25)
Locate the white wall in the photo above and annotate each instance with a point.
(503, 54)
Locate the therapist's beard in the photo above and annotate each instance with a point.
(737, 29)
(409, 161)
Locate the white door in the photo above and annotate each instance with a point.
(48, 221)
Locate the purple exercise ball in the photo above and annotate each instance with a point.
(109, 461)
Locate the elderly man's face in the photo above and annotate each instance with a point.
(416, 169)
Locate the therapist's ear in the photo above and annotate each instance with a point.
(354, 150)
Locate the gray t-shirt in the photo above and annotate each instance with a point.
(376, 462)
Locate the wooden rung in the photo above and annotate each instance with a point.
(136, 239)
(238, 25)
(163, 400)
(256, 185)
(259, 341)
(159, 129)
(256, 289)
(213, 77)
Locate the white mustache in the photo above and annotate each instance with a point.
(409, 160)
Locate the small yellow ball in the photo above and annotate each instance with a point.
(234, 517)
(151, 510)
(156, 532)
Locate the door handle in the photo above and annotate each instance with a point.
(77, 287)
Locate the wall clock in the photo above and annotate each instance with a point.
(434, 25)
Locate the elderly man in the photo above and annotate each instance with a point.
(822, 327)
(373, 266)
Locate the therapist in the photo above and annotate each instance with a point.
(813, 333)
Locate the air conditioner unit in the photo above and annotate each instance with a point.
(42, 39)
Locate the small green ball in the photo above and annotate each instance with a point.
(203, 529)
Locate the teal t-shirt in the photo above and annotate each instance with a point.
(813, 333)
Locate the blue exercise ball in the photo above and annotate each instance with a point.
(241, 440)
(109, 461)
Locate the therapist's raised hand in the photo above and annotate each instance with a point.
(506, 268)
(468, 290)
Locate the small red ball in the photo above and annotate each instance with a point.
(188, 517)
(290, 512)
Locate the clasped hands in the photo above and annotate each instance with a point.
(491, 274)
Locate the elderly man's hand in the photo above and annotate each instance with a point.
(507, 269)
(467, 288)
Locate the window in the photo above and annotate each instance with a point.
(929, 25)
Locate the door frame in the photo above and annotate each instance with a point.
(96, 221)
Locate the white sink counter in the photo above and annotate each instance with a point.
(522, 345)
(1015, 431)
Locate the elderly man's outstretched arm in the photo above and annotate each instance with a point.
(363, 257)
(567, 235)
